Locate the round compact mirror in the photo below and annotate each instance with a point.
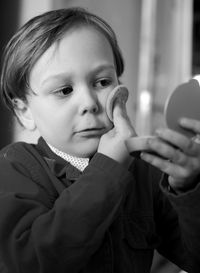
(184, 101)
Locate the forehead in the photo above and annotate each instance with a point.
(79, 49)
(84, 41)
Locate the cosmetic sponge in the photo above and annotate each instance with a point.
(121, 93)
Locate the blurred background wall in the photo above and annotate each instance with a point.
(9, 17)
(160, 43)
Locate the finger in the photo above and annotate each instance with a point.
(196, 139)
(177, 184)
(190, 124)
(179, 158)
(183, 143)
(121, 120)
(168, 167)
(119, 110)
(187, 165)
(181, 185)
(167, 151)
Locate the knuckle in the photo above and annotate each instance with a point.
(166, 167)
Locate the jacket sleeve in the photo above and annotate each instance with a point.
(178, 224)
(37, 236)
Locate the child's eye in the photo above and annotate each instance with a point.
(64, 91)
(104, 82)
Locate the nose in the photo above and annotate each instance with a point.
(88, 101)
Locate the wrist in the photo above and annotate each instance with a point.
(189, 185)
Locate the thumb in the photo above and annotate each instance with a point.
(121, 119)
(119, 110)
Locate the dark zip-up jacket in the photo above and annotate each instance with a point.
(55, 219)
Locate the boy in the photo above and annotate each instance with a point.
(76, 201)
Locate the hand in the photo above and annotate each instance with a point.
(112, 143)
(178, 156)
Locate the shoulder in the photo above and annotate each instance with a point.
(15, 150)
(15, 175)
(23, 169)
(19, 153)
(20, 162)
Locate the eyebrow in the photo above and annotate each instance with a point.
(64, 76)
(103, 67)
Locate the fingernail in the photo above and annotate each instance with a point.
(142, 155)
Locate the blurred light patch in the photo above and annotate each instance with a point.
(197, 77)
(145, 101)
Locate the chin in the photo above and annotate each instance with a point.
(88, 150)
(88, 153)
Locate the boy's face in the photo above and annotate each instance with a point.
(72, 80)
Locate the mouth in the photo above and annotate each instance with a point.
(92, 132)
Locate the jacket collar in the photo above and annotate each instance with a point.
(58, 166)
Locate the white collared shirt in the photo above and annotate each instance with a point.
(79, 162)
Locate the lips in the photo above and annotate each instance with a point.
(91, 132)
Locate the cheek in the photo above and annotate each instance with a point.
(105, 117)
(103, 98)
(49, 114)
(103, 102)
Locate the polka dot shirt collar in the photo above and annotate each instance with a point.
(78, 162)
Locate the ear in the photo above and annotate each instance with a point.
(24, 114)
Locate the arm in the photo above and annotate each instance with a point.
(177, 221)
(37, 237)
(179, 157)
